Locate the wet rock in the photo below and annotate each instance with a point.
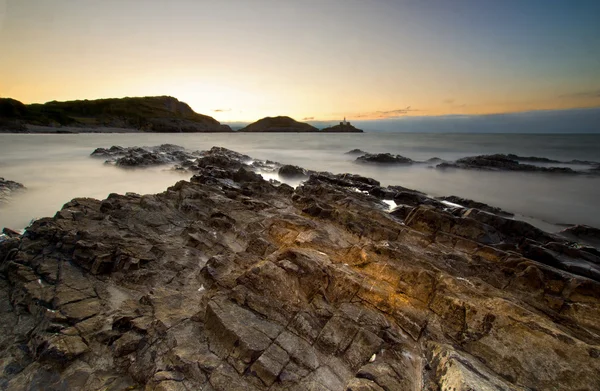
(146, 156)
(583, 233)
(231, 282)
(383, 158)
(11, 233)
(289, 171)
(475, 204)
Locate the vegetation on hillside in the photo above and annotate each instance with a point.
(161, 113)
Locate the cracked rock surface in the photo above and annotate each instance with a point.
(231, 282)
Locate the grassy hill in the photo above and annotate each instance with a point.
(152, 114)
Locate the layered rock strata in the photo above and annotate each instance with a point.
(231, 282)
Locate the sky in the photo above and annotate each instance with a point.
(241, 60)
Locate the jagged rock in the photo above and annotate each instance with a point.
(146, 156)
(231, 282)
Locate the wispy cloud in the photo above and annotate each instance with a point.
(308, 118)
(221, 110)
(381, 114)
(449, 101)
(581, 94)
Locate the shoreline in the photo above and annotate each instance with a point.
(38, 129)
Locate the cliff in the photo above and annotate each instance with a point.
(231, 282)
(279, 124)
(150, 114)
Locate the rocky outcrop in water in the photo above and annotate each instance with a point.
(230, 282)
(146, 156)
(7, 188)
(356, 151)
(500, 162)
(383, 158)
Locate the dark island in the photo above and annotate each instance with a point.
(283, 124)
(162, 114)
(342, 127)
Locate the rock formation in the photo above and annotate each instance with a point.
(279, 124)
(383, 158)
(7, 188)
(500, 162)
(146, 156)
(231, 282)
(356, 151)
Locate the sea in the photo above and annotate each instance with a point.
(56, 168)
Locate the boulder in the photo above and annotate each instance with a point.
(289, 171)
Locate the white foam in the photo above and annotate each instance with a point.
(452, 204)
(391, 203)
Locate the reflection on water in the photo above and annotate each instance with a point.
(57, 168)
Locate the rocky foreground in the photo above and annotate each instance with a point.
(230, 282)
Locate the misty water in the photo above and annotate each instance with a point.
(58, 168)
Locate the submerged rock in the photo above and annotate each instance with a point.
(7, 188)
(229, 282)
(383, 158)
(356, 151)
(501, 162)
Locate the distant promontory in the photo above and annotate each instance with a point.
(161, 114)
(155, 114)
(284, 124)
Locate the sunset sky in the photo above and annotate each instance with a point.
(320, 59)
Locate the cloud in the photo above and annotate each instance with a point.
(308, 118)
(381, 114)
(581, 94)
(448, 101)
(221, 110)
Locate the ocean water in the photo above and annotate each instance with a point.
(58, 168)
